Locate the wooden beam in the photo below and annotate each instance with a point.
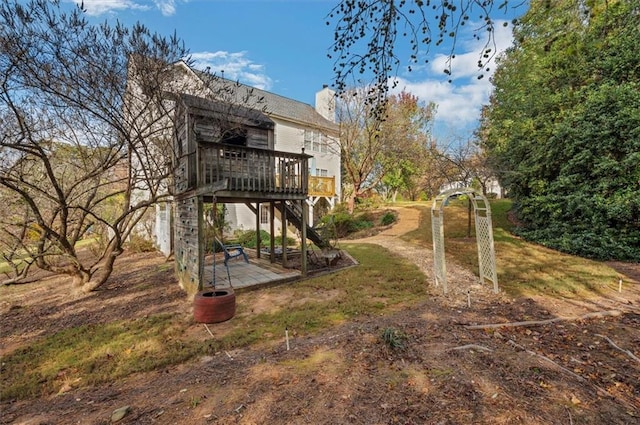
(212, 189)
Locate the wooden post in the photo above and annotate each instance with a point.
(303, 259)
(201, 247)
(258, 241)
(284, 234)
(272, 226)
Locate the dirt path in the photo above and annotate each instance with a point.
(461, 281)
(464, 284)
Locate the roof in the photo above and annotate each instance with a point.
(272, 104)
(235, 113)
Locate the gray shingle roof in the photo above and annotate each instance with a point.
(235, 113)
(272, 104)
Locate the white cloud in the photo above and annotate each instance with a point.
(466, 63)
(99, 7)
(459, 102)
(234, 66)
(458, 105)
(167, 7)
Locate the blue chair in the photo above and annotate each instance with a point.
(232, 251)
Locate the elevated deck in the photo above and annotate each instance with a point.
(243, 173)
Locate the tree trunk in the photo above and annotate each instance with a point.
(351, 203)
(102, 273)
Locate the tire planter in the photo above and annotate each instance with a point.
(214, 305)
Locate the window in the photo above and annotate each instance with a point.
(308, 135)
(264, 214)
(324, 145)
(234, 137)
(315, 141)
(321, 172)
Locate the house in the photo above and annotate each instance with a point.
(298, 127)
(272, 161)
(490, 186)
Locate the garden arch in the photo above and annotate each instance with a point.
(484, 235)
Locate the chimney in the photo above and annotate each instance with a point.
(326, 103)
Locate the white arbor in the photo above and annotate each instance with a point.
(484, 235)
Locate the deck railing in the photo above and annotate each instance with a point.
(252, 169)
(322, 186)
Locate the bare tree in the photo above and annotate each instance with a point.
(453, 162)
(367, 33)
(79, 157)
(463, 164)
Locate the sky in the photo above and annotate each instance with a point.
(282, 45)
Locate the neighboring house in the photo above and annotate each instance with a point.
(491, 186)
(295, 127)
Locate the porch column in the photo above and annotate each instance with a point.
(311, 203)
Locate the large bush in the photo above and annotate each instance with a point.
(563, 127)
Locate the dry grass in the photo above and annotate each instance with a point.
(523, 268)
(99, 353)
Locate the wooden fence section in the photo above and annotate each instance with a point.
(322, 186)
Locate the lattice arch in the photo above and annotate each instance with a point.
(484, 236)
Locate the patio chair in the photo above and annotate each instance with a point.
(232, 251)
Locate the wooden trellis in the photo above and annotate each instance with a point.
(484, 236)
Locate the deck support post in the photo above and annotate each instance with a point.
(272, 228)
(258, 241)
(201, 247)
(305, 214)
(284, 234)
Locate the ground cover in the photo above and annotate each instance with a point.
(369, 345)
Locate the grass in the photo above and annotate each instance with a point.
(523, 268)
(24, 255)
(382, 284)
(100, 353)
(93, 354)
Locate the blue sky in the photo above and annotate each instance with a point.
(282, 46)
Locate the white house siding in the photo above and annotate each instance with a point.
(162, 229)
(289, 137)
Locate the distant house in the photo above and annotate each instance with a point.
(261, 120)
(491, 186)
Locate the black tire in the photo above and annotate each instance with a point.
(214, 305)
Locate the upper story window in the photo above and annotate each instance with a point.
(315, 141)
